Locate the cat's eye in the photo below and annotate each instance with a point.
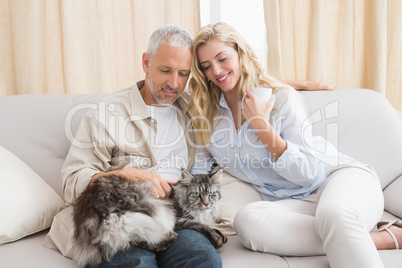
(211, 193)
(196, 194)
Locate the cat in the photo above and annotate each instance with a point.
(196, 203)
(113, 214)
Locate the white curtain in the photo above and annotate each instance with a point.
(76, 46)
(351, 43)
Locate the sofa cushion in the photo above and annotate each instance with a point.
(34, 254)
(27, 203)
(235, 194)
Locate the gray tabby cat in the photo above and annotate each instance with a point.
(196, 203)
(113, 214)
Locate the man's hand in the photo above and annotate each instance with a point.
(309, 85)
(161, 187)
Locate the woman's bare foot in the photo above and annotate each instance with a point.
(383, 240)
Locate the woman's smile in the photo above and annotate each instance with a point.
(223, 78)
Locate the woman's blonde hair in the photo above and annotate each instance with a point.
(204, 104)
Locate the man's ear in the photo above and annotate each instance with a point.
(145, 62)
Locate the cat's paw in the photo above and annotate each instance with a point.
(165, 244)
(218, 239)
(224, 238)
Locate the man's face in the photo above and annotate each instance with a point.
(166, 74)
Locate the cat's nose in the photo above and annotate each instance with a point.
(205, 204)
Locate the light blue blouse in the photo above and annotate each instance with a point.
(301, 169)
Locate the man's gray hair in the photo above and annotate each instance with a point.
(173, 35)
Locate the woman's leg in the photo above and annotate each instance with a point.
(190, 249)
(289, 227)
(285, 227)
(350, 205)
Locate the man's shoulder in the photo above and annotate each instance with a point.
(183, 100)
(120, 96)
(117, 103)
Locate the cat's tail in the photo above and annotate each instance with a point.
(101, 241)
(84, 251)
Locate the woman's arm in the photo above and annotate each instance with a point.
(256, 113)
(287, 139)
(309, 85)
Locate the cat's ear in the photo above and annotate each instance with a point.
(216, 173)
(186, 177)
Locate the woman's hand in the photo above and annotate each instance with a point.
(161, 187)
(255, 111)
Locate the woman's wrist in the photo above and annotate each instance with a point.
(268, 136)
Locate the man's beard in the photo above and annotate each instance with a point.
(154, 93)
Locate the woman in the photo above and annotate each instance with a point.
(320, 207)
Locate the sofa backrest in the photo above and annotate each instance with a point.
(360, 122)
(37, 129)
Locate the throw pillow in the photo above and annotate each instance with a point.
(235, 195)
(27, 203)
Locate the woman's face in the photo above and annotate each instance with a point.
(220, 64)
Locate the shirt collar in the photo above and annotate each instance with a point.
(139, 108)
(137, 104)
(222, 102)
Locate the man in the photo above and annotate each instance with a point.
(139, 134)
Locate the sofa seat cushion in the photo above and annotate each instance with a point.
(34, 254)
(234, 255)
(27, 203)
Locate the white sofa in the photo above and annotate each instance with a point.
(361, 122)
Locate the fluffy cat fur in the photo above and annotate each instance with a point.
(113, 214)
(195, 198)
